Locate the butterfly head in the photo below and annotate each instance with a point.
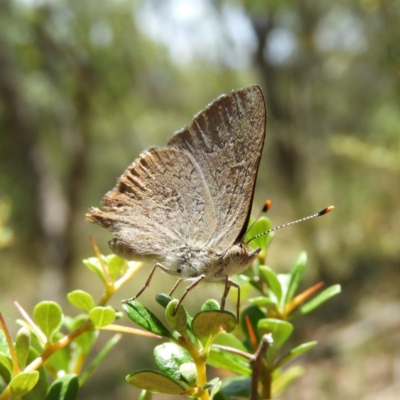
(239, 257)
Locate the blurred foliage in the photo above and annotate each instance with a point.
(85, 86)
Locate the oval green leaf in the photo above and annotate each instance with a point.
(237, 387)
(22, 344)
(146, 319)
(5, 361)
(64, 388)
(207, 325)
(280, 330)
(271, 279)
(176, 319)
(102, 316)
(229, 340)
(210, 305)
(154, 381)
(145, 395)
(188, 373)
(116, 266)
(94, 265)
(262, 301)
(3, 343)
(283, 381)
(169, 357)
(23, 383)
(295, 276)
(81, 299)
(262, 225)
(228, 361)
(48, 317)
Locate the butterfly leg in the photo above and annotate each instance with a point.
(188, 289)
(228, 285)
(147, 284)
(175, 286)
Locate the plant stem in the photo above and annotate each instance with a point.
(256, 366)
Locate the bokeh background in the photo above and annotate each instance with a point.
(85, 86)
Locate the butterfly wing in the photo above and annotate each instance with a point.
(226, 140)
(160, 204)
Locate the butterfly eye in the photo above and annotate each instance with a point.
(237, 254)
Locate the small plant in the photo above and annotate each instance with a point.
(210, 336)
(47, 358)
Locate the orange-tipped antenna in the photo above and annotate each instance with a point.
(318, 214)
(267, 205)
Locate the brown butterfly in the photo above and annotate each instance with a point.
(186, 206)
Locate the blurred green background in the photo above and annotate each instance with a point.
(85, 86)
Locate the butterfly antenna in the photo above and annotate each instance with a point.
(266, 207)
(318, 214)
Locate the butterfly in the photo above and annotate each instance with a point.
(186, 206)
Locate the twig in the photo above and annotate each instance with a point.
(256, 364)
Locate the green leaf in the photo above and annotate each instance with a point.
(229, 340)
(98, 359)
(145, 395)
(280, 330)
(3, 343)
(64, 388)
(210, 305)
(188, 373)
(321, 298)
(40, 390)
(215, 389)
(22, 344)
(169, 357)
(262, 225)
(263, 301)
(163, 299)
(94, 265)
(60, 359)
(22, 383)
(271, 279)
(48, 317)
(294, 353)
(295, 276)
(177, 319)
(207, 325)
(237, 387)
(282, 382)
(116, 265)
(228, 361)
(146, 319)
(6, 367)
(284, 280)
(86, 340)
(81, 299)
(155, 382)
(210, 384)
(102, 316)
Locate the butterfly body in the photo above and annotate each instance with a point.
(190, 263)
